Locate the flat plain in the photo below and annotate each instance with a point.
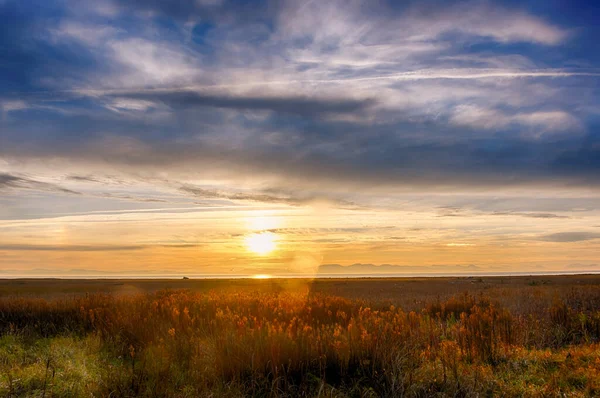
(451, 336)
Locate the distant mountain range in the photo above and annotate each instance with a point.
(369, 269)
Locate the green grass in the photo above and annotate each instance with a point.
(57, 366)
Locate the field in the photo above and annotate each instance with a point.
(490, 336)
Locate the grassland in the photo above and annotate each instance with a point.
(494, 336)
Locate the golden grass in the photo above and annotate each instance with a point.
(302, 342)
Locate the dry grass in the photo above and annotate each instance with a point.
(293, 338)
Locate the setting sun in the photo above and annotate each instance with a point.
(299, 198)
(261, 243)
(262, 276)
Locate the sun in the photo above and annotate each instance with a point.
(261, 276)
(261, 243)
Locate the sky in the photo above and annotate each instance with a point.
(216, 137)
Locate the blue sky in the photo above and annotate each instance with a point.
(489, 109)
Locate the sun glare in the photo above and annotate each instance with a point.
(258, 221)
(261, 243)
(261, 276)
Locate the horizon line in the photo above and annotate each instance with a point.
(263, 276)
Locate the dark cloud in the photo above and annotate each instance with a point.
(459, 212)
(7, 180)
(133, 198)
(570, 237)
(303, 106)
(101, 179)
(289, 199)
(10, 181)
(316, 153)
(529, 215)
(83, 178)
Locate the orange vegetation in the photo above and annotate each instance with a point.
(301, 343)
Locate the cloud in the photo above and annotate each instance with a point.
(89, 34)
(90, 248)
(552, 120)
(456, 211)
(491, 20)
(310, 95)
(373, 269)
(570, 237)
(10, 181)
(127, 104)
(68, 248)
(328, 231)
(13, 105)
(80, 178)
(133, 198)
(343, 20)
(285, 198)
(339, 156)
(293, 105)
(335, 26)
(531, 215)
(543, 121)
(149, 62)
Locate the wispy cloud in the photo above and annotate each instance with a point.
(543, 121)
(570, 236)
(374, 269)
(10, 181)
(69, 248)
(261, 197)
(531, 215)
(90, 248)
